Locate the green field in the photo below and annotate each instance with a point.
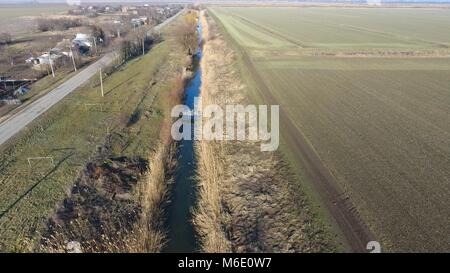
(339, 28)
(377, 118)
(72, 132)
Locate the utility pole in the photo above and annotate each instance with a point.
(101, 82)
(73, 59)
(51, 63)
(95, 45)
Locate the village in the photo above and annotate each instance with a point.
(56, 46)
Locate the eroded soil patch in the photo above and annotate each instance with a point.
(101, 205)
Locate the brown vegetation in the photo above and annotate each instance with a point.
(137, 43)
(117, 203)
(186, 33)
(47, 24)
(153, 191)
(248, 199)
(100, 207)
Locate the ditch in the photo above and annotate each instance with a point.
(181, 234)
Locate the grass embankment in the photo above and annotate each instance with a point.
(132, 111)
(248, 199)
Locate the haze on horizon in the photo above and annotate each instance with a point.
(199, 1)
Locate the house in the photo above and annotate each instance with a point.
(144, 19)
(137, 22)
(48, 58)
(83, 42)
(51, 57)
(32, 60)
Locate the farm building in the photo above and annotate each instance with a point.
(47, 58)
(137, 22)
(53, 57)
(82, 40)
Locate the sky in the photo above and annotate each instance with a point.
(153, 1)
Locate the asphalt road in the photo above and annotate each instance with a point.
(18, 121)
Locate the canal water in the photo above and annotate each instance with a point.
(181, 234)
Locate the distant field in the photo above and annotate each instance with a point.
(340, 27)
(379, 124)
(21, 19)
(13, 11)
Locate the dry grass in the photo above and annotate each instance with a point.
(142, 231)
(154, 191)
(248, 200)
(209, 217)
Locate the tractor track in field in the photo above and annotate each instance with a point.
(270, 31)
(354, 230)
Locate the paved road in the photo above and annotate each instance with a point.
(19, 120)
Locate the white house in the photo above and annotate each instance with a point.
(82, 40)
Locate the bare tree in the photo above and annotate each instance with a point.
(140, 37)
(46, 24)
(186, 33)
